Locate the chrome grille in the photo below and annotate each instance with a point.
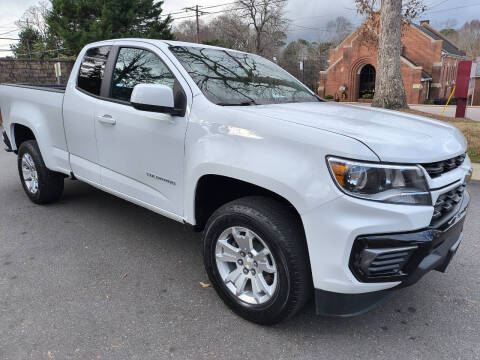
(439, 168)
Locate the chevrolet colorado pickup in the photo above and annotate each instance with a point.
(295, 196)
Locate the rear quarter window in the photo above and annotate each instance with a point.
(92, 68)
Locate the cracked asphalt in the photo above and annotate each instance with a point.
(95, 277)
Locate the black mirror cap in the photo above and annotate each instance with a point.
(159, 109)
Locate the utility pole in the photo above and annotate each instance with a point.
(56, 47)
(198, 24)
(303, 70)
(28, 43)
(198, 13)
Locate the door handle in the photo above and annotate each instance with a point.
(106, 119)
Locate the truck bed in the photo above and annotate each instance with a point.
(39, 108)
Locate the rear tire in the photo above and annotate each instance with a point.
(261, 288)
(41, 185)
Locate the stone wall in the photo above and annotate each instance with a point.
(37, 72)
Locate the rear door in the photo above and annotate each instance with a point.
(141, 153)
(81, 95)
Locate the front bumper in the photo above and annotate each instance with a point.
(332, 231)
(431, 249)
(406, 257)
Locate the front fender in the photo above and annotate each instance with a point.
(285, 158)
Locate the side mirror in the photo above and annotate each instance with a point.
(155, 98)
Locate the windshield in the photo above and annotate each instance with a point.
(234, 78)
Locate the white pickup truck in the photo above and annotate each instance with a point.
(295, 196)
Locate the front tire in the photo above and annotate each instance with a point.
(256, 258)
(41, 185)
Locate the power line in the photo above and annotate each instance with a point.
(317, 29)
(208, 13)
(35, 52)
(189, 9)
(8, 32)
(312, 17)
(455, 8)
(438, 4)
(217, 12)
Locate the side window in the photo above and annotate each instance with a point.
(92, 68)
(137, 66)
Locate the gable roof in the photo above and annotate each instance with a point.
(447, 46)
(425, 75)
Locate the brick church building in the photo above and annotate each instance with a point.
(428, 63)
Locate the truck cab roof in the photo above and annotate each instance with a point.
(160, 42)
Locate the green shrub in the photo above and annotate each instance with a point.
(429, 102)
(367, 96)
(329, 97)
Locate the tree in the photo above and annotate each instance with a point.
(29, 37)
(79, 22)
(389, 87)
(36, 41)
(467, 38)
(338, 29)
(266, 17)
(187, 31)
(314, 57)
(232, 32)
(257, 26)
(226, 30)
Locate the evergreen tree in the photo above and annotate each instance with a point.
(29, 39)
(79, 22)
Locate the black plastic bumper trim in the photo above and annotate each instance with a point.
(440, 257)
(348, 305)
(6, 141)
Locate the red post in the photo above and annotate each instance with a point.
(461, 84)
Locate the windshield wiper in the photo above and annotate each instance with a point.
(243, 103)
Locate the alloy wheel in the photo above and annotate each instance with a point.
(246, 265)
(29, 172)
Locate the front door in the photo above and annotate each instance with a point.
(141, 153)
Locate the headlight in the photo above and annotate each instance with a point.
(386, 183)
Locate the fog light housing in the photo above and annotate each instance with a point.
(384, 262)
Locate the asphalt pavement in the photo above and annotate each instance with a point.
(95, 277)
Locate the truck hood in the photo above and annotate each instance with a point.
(391, 135)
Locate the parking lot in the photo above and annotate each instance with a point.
(95, 277)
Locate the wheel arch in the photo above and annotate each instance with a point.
(20, 133)
(215, 190)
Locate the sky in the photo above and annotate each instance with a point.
(308, 17)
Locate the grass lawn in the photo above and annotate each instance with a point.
(470, 128)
